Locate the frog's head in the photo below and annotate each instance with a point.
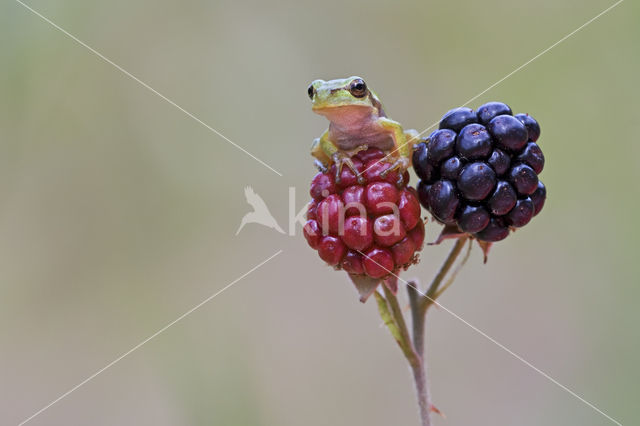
(342, 99)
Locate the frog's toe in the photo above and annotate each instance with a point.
(339, 165)
(346, 161)
(401, 165)
(398, 165)
(359, 149)
(341, 160)
(354, 170)
(322, 168)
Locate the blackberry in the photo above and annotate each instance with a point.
(538, 197)
(442, 144)
(473, 218)
(488, 111)
(533, 157)
(473, 142)
(443, 200)
(521, 214)
(420, 158)
(479, 172)
(500, 161)
(508, 132)
(523, 178)
(533, 128)
(370, 229)
(476, 180)
(503, 199)
(451, 167)
(496, 230)
(457, 118)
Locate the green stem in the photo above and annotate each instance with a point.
(454, 274)
(430, 295)
(420, 374)
(412, 345)
(396, 312)
(391, 314)
(391, 323)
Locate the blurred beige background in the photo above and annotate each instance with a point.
(118, 214)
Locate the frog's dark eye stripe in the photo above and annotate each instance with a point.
(311, 91)
(358, 88)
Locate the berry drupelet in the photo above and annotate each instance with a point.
(479, 171)
(370, 229)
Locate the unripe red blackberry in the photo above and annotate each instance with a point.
(358, 232)
(331, 249)
(479, 171)
(370, 229)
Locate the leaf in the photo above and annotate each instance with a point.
(392, 284)
(385, 314)
(448, 232)
(485, 246)
(364, 285)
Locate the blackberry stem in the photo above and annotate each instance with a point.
(396, 311)
(430, 295)
(391, 314)
(454, 274)
(420, 373)
(412, 345)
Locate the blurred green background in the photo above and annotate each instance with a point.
(118, 213)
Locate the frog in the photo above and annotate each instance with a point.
(357, 122)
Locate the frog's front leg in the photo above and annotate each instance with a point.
(412, 137)
(328, 150)
(402, 147)
(321, 159)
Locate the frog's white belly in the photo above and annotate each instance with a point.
(372, 136)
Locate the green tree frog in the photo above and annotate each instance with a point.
(357, 122)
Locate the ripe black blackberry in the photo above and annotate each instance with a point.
(479, 171)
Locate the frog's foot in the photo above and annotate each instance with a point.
(341, 159)
(357, 150)
(322, 168)
(401, 164)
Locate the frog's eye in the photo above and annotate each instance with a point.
(311, 91)
(358, 88)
